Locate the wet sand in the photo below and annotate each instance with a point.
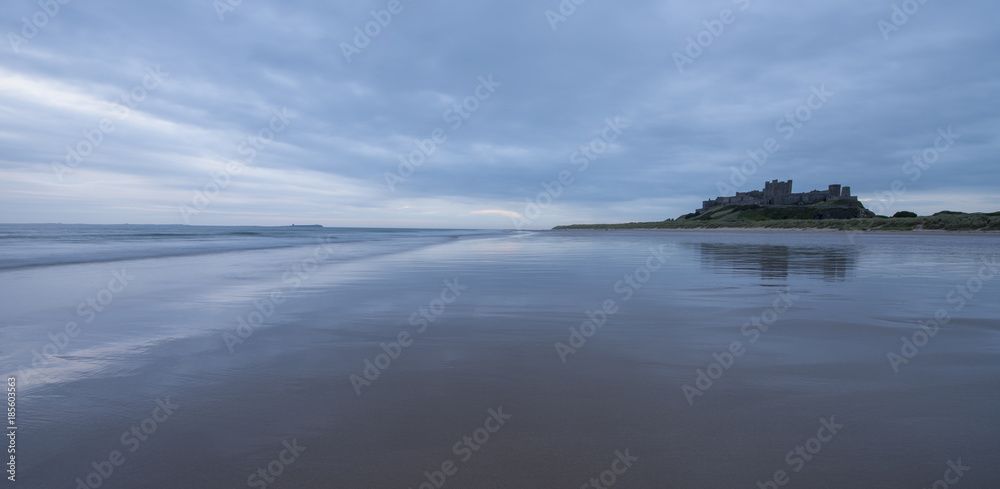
(838, 310)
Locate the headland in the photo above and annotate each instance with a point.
(777, 207)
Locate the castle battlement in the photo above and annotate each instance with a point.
(780, 193)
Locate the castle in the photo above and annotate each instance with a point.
(780, 193)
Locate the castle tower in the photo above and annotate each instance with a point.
(775, 188)
(769, 188)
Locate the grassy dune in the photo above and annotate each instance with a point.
(756, 217)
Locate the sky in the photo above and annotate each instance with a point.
(514, 114)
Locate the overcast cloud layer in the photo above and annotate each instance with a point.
(665, 121)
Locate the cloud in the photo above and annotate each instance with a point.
(498, 211)
(356, 119)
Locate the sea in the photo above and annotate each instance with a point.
(141, 356)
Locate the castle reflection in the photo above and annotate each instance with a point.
(830, 263)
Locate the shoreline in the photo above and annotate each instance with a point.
(922, 232)
(755, 217)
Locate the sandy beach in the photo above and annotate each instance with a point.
(920, 232)
(530, 360)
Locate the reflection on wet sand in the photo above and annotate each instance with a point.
(832, 263)
(822, 363)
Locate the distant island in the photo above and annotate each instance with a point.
(776, 206)
(306, 225)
